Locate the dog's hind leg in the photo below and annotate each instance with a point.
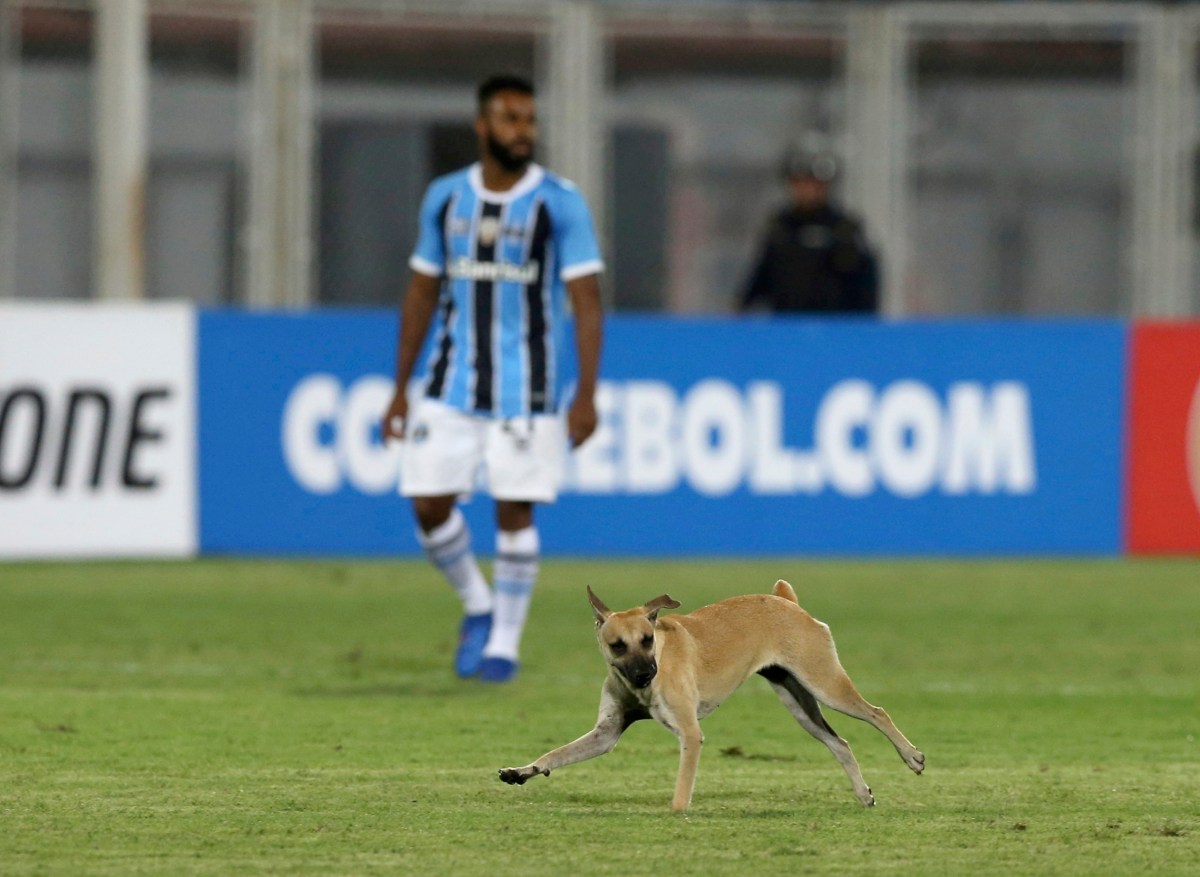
(821, 673)
(805, 709)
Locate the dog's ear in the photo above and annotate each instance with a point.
(602, 612)
(663, 602)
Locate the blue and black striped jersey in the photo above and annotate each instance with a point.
(504, 257)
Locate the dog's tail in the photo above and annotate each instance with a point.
(784, 590)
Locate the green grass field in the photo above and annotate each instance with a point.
(290, 718)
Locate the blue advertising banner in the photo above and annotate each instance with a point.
(290, 458)
(718, 437)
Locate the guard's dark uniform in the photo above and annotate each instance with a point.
(814, 262)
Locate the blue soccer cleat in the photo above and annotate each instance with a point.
(472, 637)
(498, 670)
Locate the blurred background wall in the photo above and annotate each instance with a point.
(1007, 157)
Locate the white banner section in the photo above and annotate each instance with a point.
(97, 430)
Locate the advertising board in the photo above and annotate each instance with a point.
(718, 437)
(1164, 439)
(97, 431)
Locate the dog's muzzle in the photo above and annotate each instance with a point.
(640, 674)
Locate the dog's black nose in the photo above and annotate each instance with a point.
(644, 677)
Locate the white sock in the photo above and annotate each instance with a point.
(448, 547)
(515, 571)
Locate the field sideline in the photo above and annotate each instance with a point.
(228, 717)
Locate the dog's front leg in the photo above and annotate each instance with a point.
(598, 741)
(691, 740)
(613, 720)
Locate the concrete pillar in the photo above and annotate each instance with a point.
(280, 252)
(573, 74)
(1162, 184)
(119, 183)
(10, 56)
(877, 124)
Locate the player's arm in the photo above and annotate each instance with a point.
(589, 336)
(579, 251)
(428, 263)
(416, 313)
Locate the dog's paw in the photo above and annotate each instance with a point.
(513, 776)
(516, 776)
(916, 761)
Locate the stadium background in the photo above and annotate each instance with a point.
(205, 210)
(238, 181)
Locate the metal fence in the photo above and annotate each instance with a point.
(1006, 158)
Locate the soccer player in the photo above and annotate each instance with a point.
(503, 245)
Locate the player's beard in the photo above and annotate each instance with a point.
(506, 158)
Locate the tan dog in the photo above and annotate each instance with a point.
(679, 669)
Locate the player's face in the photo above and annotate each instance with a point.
(507, 128)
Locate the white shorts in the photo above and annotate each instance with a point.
(447, 452)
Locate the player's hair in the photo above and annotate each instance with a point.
(502, 82)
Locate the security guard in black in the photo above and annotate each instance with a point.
(814, 257)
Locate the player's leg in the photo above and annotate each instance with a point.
(524, 460)
(513, 577)
(446, 538)
(441, 454)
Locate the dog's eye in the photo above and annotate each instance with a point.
(618, 648)
(647, 641)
